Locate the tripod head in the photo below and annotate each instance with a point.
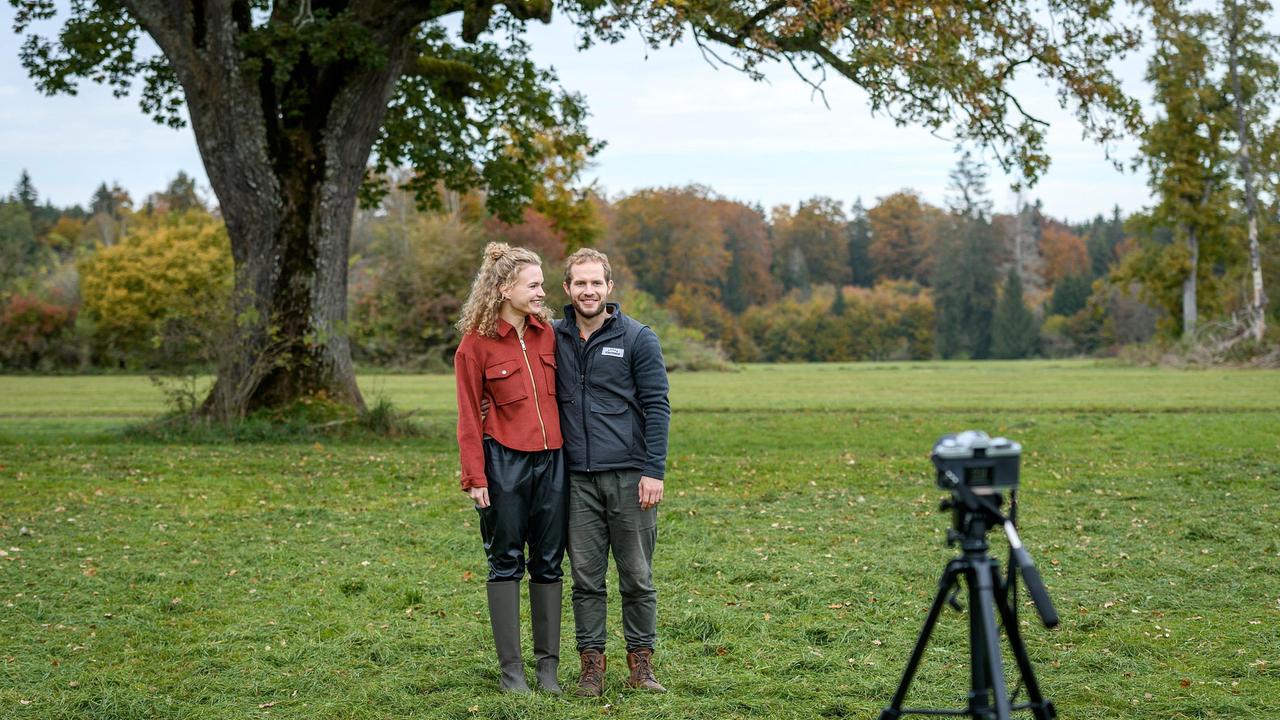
(978, 471)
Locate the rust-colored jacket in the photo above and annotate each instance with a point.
(520, 385)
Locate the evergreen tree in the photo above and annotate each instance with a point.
(1014, 333)
(181, 195)
(860, 271)
(25, 192)
(1070, 295)
(965, 278)
(19, 251)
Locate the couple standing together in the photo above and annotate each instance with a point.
(562, 432)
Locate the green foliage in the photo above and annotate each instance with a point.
(965, 272)
(169, 273)
(1013, 331)
(1190, 165)
(1070, 295)
(682, 348)
(859, 246)
(407, 289)
(482, 115)
(20, 254)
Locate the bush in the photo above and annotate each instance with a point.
(892, 321)
(170, 271)
(682, 348)
(34, 332)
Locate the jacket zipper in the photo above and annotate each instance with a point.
(582, 390)
(536, 405)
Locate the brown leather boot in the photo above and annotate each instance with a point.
(591, 681)
(641, 664)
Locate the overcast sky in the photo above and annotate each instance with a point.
(668, 117)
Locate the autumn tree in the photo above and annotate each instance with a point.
(904, 233)
(747, 280)
(1253, 89)
(160, 289)
(289, 99)
(1064, 252)
(859, 231)
(670, 237)
(1184, 148)
(810, 246)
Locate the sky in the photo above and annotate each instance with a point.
(668, 118)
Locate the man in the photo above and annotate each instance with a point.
(611, 384)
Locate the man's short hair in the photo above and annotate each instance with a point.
(586, 255)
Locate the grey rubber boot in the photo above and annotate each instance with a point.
(544, 605)
(504, 617)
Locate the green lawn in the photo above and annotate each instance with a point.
(799, 548)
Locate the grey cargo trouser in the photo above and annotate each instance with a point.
(604, 513)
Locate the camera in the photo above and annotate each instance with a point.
(972, 458)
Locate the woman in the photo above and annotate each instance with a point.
(512, 466)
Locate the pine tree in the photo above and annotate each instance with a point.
(1070, 295)
(965, 279)
(25, 192)
(1013, 334)
(859, 242)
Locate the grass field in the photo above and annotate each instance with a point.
(799, 547)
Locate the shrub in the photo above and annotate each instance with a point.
(169, 270)
(32, 331)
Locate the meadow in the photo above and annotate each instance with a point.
(799, 546)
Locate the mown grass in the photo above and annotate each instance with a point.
(799, 547)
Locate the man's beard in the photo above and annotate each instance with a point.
(600, 307)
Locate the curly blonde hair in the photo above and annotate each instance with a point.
(497, 272)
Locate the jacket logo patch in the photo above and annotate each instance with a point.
(611, 352)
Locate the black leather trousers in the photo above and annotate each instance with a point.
(528, 505)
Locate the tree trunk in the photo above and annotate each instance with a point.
(1189, 287)
(285, 161)
(1258, 305)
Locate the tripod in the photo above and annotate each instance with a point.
(988, 594)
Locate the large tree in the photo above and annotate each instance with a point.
(1184, 147)
(288, 99)
(965, 276)
(1253, 88)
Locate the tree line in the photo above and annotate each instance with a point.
(129, 285)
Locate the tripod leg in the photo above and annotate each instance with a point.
(917, 653)
(987, 636)
(1039, 707)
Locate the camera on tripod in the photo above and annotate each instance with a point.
(981, 473)
(973, 458)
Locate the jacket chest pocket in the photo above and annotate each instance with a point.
(505, 381)
(549, 371)
(610, 371)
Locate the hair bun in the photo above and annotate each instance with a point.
(496, 250)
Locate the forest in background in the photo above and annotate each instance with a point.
(149, 284)
(145, 285)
